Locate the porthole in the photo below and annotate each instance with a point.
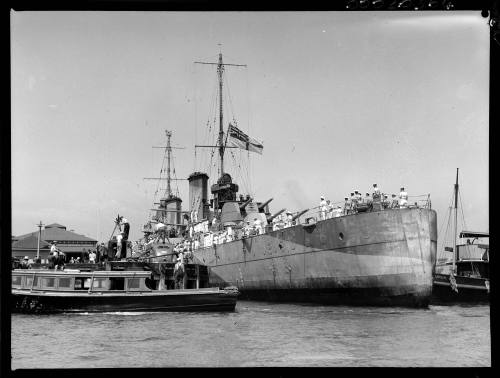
(341, 236)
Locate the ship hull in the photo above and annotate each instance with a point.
(374, 258)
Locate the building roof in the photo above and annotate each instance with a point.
(58, 233)
(30, 242)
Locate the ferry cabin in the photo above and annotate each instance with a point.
(75, 281)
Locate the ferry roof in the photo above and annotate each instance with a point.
(78, 273)
(474, 234)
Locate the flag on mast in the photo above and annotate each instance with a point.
(238, 138)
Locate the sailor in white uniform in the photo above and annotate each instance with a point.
(403, 198)
(323, 207)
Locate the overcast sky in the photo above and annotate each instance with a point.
(340, 101)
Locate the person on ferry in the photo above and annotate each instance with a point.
(25, 263)
(322, 208)
(119, 238)
(92, 257)
(403, 198)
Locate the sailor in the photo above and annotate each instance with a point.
(354, 201)
(119, 239)
(215, 224)
(358, 195)
(323, 207)
(338, 211)
(403, 198)
(230, 233)
(368, 199)
(289, 217)
(347, 205)
(394, 202)
(385, 202)
(257, 224)
(376, 191)
(329, 208)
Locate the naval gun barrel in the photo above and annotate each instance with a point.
(244, 204)
(299, 214)
(271, 217)
(261, 206)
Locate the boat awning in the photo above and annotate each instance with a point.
(473, 234)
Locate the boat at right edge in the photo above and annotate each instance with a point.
(466, 278)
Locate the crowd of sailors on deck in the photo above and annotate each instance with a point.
(356, 202)
(209, 233)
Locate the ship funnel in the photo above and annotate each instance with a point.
(263, 205)
(198, 189)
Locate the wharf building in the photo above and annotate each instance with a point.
(72, 244)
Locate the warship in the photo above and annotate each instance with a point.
(367, 254)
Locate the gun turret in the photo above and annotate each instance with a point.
(299, 214)
(243, 205)
(271, 217)
(261, 206)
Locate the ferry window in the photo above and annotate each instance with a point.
(64, 282)
(16, 280)
(100, 284)
(133, 283)
(48, 281)
(82, 283)
(117, 283)
(28, 281)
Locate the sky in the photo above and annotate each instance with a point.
(340, 100)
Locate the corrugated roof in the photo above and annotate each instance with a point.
(58, 234)
(30, 242)
(55, 225)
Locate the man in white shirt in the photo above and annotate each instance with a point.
(119, 239)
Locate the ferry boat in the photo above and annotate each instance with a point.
(378, 256)
(127, 287)
(466, 278)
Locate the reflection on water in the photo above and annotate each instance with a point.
(256, 334)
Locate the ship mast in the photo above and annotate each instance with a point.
(220, 142)
(455, 252)
(169, 150)
(220, 71)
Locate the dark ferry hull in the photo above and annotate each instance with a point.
(468, 290)
(372, 258)
(174, 300)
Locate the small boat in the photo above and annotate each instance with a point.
(125, 287)
(466, 278)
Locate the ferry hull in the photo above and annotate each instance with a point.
(95, 302)
(468, 290)
(374, 258)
